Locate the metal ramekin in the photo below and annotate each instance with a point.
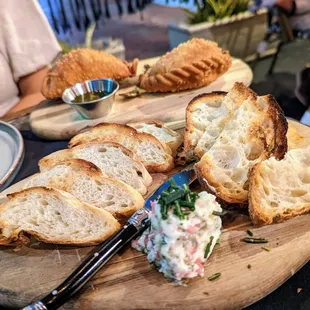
(92, 109)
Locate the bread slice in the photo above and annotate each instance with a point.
(206, 117)
(163, 133)
(153, 154)
(86, 182)
(280, 190)
(114, 160)
(53, 216)
(256, 131)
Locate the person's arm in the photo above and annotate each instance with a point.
(286, 5)
(30, 90)
(30, 46)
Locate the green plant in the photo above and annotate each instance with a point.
(66, 48)
(211, 10)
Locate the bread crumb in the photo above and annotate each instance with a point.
(299, 289)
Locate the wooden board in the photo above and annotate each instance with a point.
(58, 121)
(129, 282)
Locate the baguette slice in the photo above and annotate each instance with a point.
(280, 190)
(114, 160)
(86, 182)
(206, 117)
(53, 216)
(153, 154)
(256, 131)
(163, 133)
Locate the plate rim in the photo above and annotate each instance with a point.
(15, 166)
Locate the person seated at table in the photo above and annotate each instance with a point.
(27, 46)
(297, 10)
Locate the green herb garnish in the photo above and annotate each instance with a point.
(180, 199)
(249, 233)
(249, 266)
(266, 249)
(254, 240)
(217, 213)
(214, 276)
(208, 247)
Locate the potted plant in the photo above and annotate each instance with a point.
(229, 23)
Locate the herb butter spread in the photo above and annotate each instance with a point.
(181, 236)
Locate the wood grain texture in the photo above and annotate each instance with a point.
(129, 282)
(58, 121)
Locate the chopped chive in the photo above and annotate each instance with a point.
(249, 266)
(214, 276)
(254, 240)
(185, 186)
(249, 233)
(174, 196)
(208, 247)
(217, 213)
(266, 249)
(178, 210)
(173, 184)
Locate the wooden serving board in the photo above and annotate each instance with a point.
(58, 121)
(129, 282)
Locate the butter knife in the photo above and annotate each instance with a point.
(102, 253)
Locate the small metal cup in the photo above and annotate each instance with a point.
(95, 108)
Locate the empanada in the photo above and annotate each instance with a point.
(193, 64)
(81, 65)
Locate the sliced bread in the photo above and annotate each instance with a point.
(86, 182)
(114, 160)
(153, 154)
(53, 216)
(163, 133)
(206, 117)
(256, 131)
(280, 190)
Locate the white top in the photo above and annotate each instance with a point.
(27, 44)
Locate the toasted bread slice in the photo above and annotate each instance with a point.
(153, 154)
(280, 190)
(114, 160)
(85, 181)
(256, 131)
(53, 216)
(206, 117)
(163, 133)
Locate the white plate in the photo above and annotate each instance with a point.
(11, 153)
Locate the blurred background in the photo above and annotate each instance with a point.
(272, 39)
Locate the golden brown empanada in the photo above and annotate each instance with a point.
(84, 64)
(192, 64)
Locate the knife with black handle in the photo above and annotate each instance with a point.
(102, 253)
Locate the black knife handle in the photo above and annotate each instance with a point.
(86, 270)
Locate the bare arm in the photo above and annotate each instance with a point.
(287, 5)
(30, 89)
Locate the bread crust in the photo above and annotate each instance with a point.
(203, 64)
(20, 236)
(281, 127)
(128, 137)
